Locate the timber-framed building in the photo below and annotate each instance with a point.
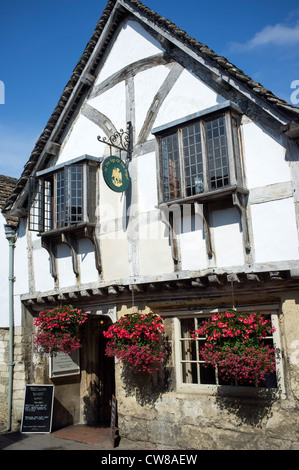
(208, 222)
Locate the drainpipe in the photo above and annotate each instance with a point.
(11, 237)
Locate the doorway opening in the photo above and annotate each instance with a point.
(97, 373)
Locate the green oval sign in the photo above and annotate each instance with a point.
(116, 174)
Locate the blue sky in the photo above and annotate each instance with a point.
(41, 42)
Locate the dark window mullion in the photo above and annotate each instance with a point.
(236, 145)
(204, 156)
(171, 167)
(75, 194)
(231, 157)
(217, 153)
(60, 199)
(84, 191)
(182, 175)
(67, 197)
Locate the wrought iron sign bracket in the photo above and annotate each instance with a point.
(122, 140)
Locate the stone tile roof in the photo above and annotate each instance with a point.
(7, 185)
(290, 111)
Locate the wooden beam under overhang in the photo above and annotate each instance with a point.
(211, 285)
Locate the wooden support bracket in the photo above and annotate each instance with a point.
(240, 201)
(89, 233)
(50, 246)
(71, 242)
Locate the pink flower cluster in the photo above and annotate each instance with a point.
(58, 329)
(49, 343)
(234, 344)
(136, 340)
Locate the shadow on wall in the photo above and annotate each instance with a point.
(61, 416)
(91, 404)
(248, 411)
(148, 388)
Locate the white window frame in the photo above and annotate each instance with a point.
(231, 390)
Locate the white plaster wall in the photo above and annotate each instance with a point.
(189, 95)
(21, 274)
(81, 140)
(147, 182)
(111, 232)
(146, 85)
(66, 274)
(4, 256)
(86, 254)
(264, 158)
(155, 257)
(192, 243)
(112, 104)
(114, 255)
(132, 43)
(274, 231)
(43, 281)
(227, 237)
(112, 208)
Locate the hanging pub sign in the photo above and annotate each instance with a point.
(116, 174)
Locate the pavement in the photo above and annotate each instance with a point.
(77, 437)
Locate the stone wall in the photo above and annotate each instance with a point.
(4, 359)
(152, 409)
(209, 423)
(18, 377)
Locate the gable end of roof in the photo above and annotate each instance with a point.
(121, 8)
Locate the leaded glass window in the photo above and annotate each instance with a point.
(64, 198)
(200, 157)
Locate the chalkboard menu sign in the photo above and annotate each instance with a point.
(38, 409)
